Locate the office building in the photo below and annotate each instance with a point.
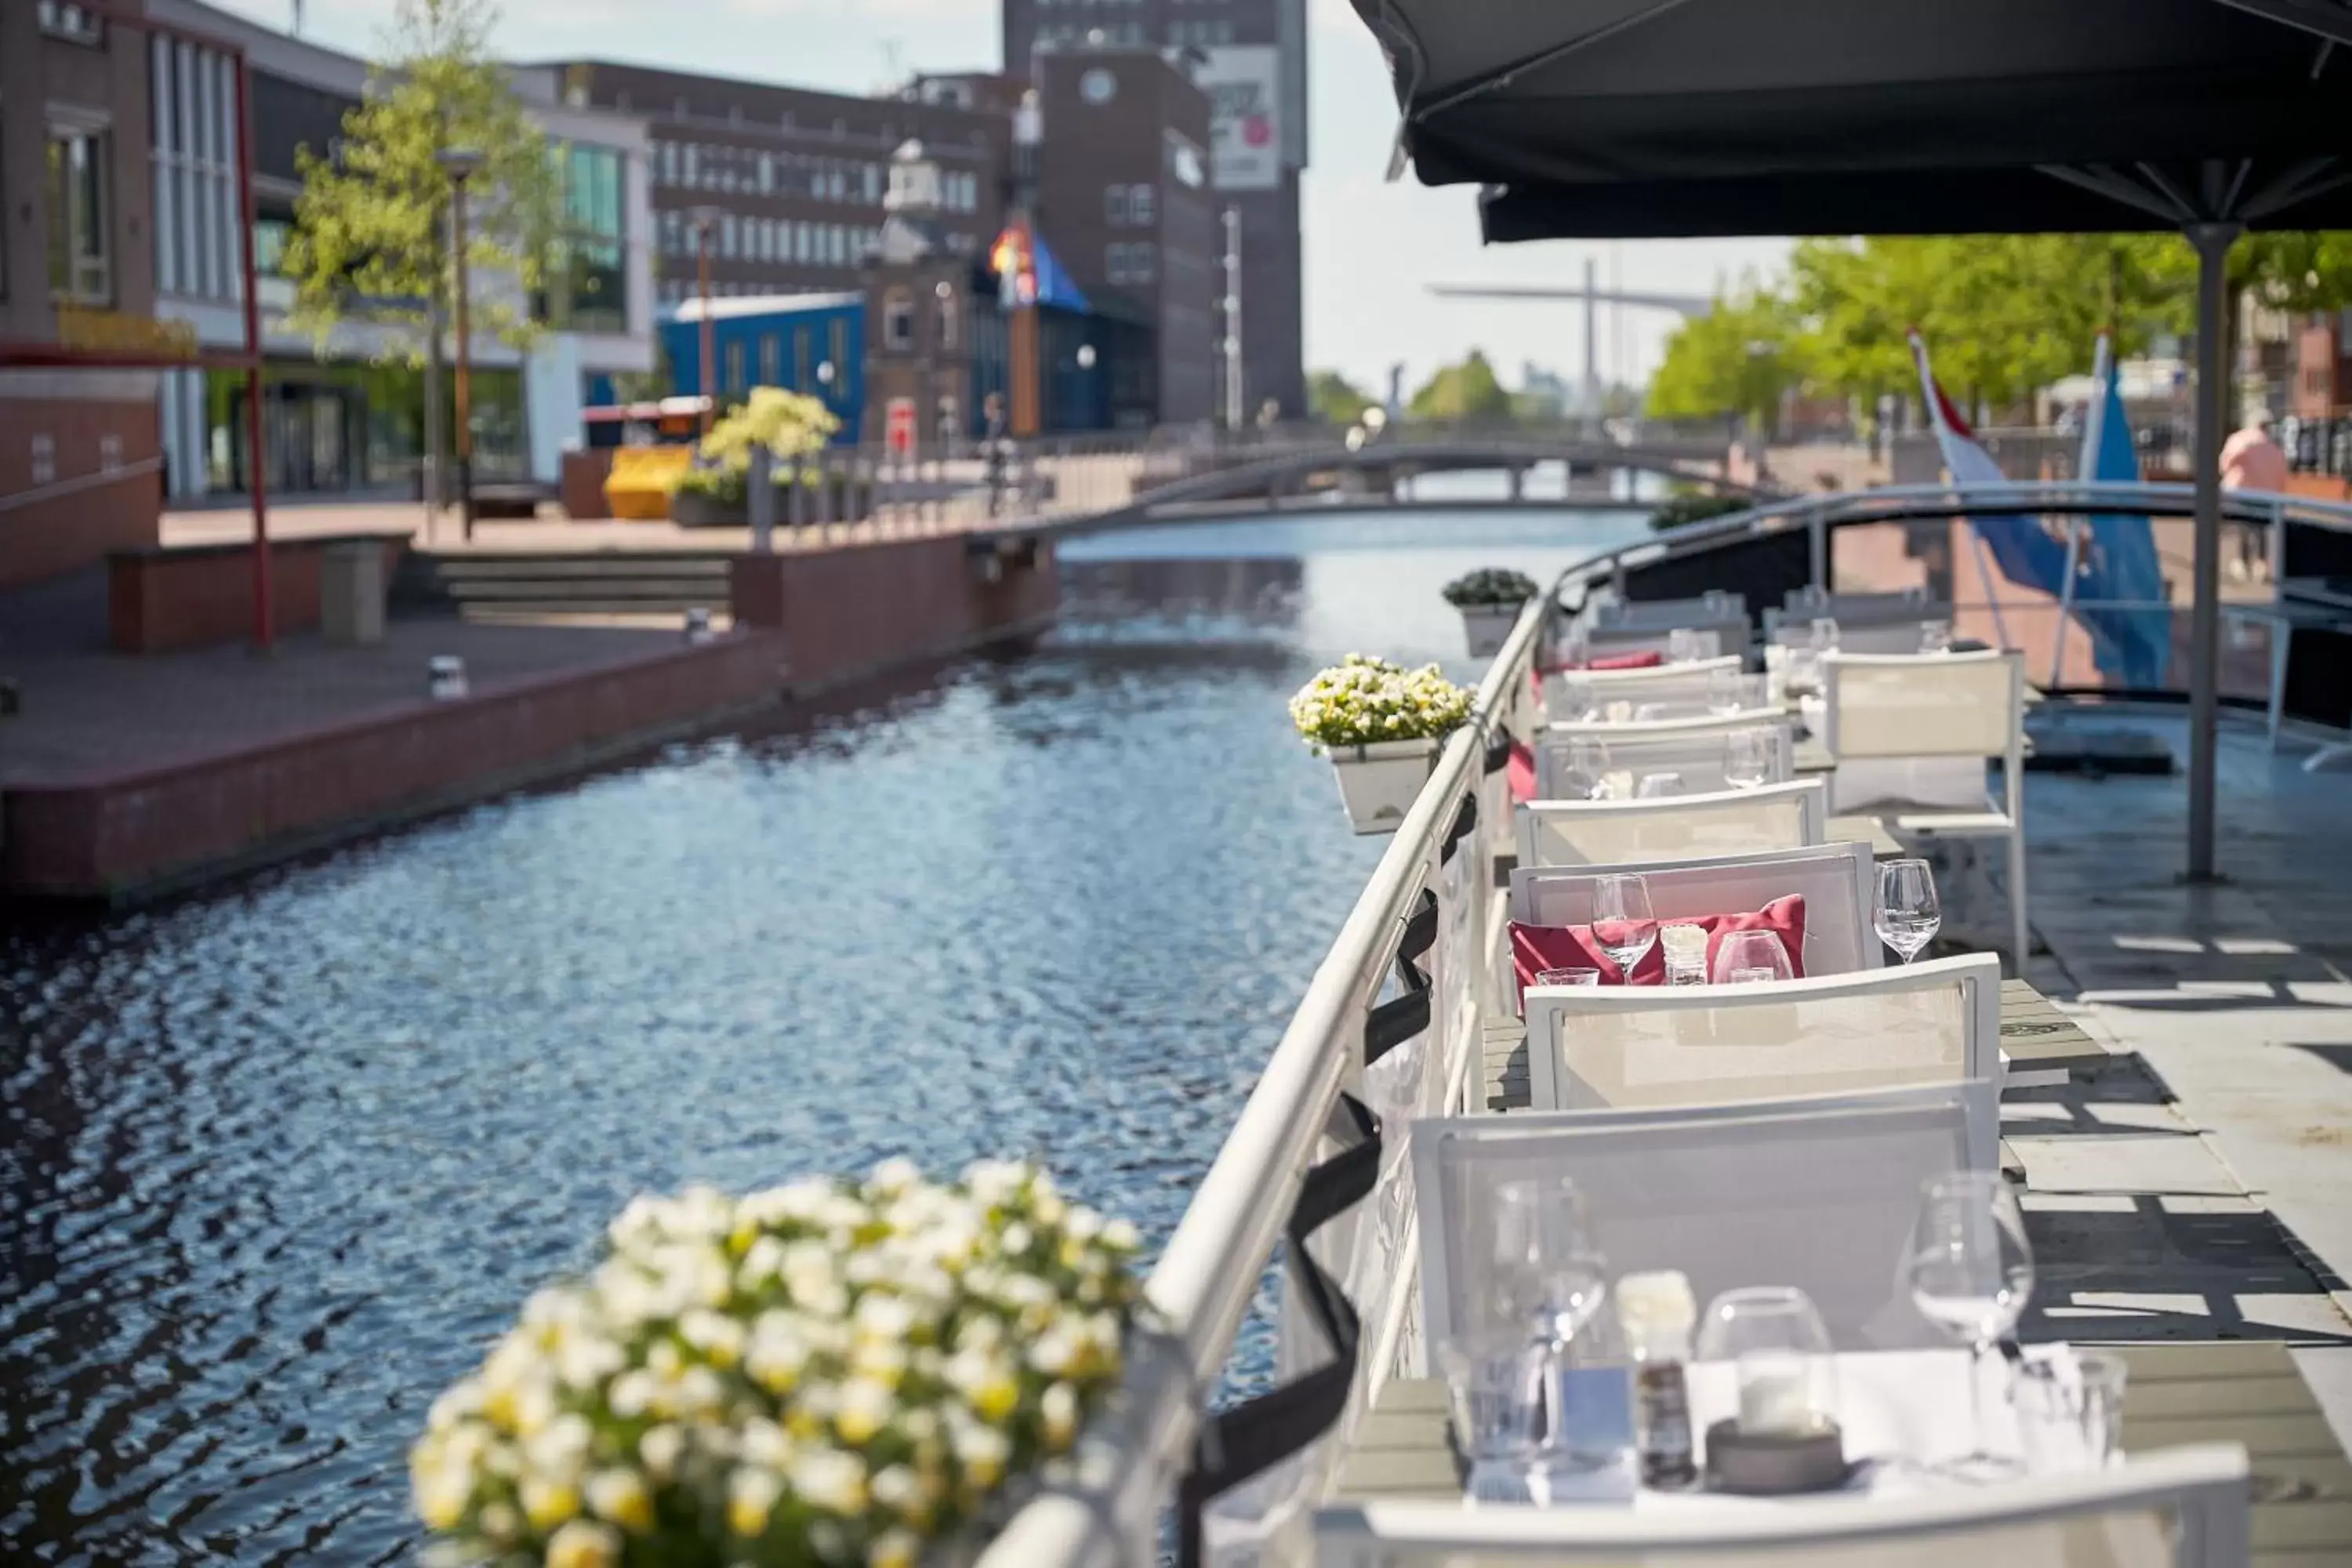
(1251, 58)
(794, 179)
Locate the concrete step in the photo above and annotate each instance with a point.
(583, 582)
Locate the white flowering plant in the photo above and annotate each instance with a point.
(1490, 587)
(1362, 700)
(831, 1373)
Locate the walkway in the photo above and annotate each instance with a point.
(2198, 1187)
(532, 536)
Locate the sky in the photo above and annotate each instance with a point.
(1371, 247)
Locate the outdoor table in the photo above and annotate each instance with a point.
(2245, 1392)
(2039, 1046)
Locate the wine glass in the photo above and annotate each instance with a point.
(1935, 636)
(1908, 915)
(1682, 645)
(1748, 759)
(1622, 923)
(1659, 786)
(1727, 693)
(1825, 634)
(1749, 957)
(1971, 1270)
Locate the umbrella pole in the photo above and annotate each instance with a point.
(2212, 241)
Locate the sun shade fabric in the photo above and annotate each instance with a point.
(1671, 118)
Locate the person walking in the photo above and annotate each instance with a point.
(2251, 460)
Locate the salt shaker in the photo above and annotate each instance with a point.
(1685, 947)
(1657, 1311)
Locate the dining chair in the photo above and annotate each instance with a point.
(1730, 821)
(1838, 882)
(1937, 1021)
(1657, 683)
(2168, 1508)
(1699, 749)
(1914, 733)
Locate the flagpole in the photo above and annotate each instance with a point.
(2094, 422)
(1933, 396)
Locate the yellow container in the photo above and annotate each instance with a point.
(642, 479)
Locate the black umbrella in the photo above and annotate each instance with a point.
(1650, 119)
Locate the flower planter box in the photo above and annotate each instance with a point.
(1487, 625)
(1377, 782)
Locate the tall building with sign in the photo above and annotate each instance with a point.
(1250, 57)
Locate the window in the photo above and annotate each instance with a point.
(837, 244)
(801, 380)
(672, 233)
(1139, 204)
(767, 173)
(799, 240)
(1142, 262)
(726, 235)
(735, 367)
(947, 308)
(81, 259)
(669, 162)
(63, 19)
(838, 346)
(871, 178)
(1115, 262)
(772, 360)
(898, 323)
(693, 167)
(1115, 205)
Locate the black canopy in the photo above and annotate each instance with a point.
(1669, 118)
(1628, 119)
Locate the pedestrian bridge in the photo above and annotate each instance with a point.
(1080, 492)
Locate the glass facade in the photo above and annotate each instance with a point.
(81, 265)
(351, 426)
(586, 288)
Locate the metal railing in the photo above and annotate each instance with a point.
(1200, 1291)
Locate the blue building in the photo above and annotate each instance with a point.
(809, 343)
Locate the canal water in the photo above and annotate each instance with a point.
(279, 1160)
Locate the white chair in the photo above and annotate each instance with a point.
(1937, 1021)
(1871, 636)
(1664, 613)
(1838, 882)
(1675, 827)
(1643, 628)
(1922, 727)
(1818, 1192)
(2172, 1508)
(1699, 749)
(1905, 604)
(1660, 683)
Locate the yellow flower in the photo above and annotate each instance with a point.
(547, 1503)
(866, 1407)
(580, 1544)
(621, 1497)
(751, 1497)
(997, 1393)
(892, 1549)
(441, 1496)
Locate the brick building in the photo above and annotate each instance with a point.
(796, 177)
(1251, 58)
(77, 447)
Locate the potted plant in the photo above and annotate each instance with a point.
(1489, 600)
(842, 1372)
(1381, 725)
(715, 492)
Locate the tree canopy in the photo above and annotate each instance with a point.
(1334, 399)
(372, 238)
(1739, 358)
(1464, 391)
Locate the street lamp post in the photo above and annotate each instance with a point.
(461, 164)
(705, 219)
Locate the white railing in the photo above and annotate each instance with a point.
(1200, 1291)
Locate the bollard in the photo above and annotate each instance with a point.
(760, 487)
(445, 678)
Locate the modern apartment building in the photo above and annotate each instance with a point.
(77, 269)
(1250, 57)
(1123, 199)
(794, 179)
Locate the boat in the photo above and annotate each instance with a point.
(1409, 1018)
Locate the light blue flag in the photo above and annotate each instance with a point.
(2132, 647)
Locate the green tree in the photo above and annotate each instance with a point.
(1464, 391)
(1739, 358)
(1335, 399)
(372, 237)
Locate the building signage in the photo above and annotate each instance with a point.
(112, 332)
(1245, 87)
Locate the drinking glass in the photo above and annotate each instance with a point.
(1907, 916)
(1659, 786)
(1549, 1273)
(1825, 633)
(2070, 1411)
(1748, 759)
(1496, 1382)
(1576, 702)
(1682, 645)
(1727, 693)
(1746, 957)
(1935, 636)
(1780, 1354)
(1622, 923)
(1568, 977)
(1971, 1270)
